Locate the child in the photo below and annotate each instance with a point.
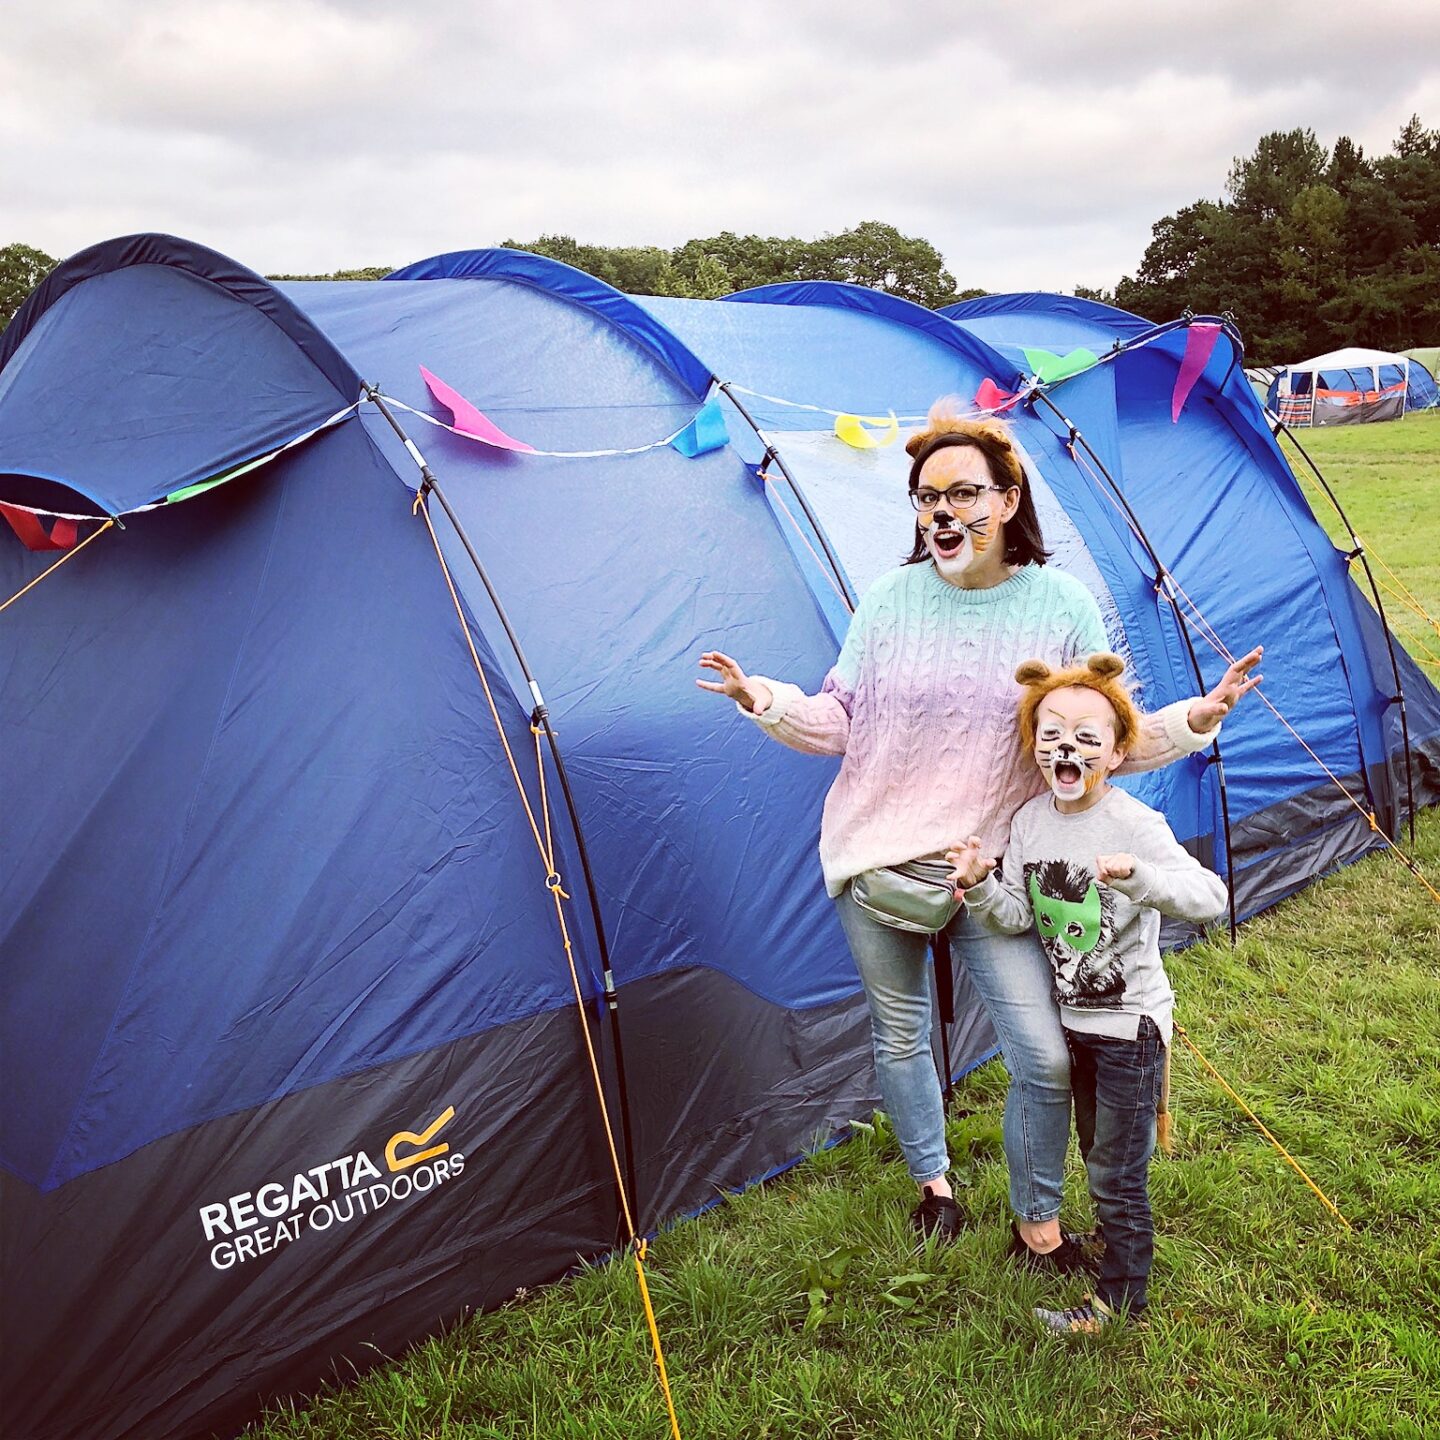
(1093, 870)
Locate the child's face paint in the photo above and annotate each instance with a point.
(1075, 745)
(959, 541)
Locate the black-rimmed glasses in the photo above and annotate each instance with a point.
(961, 497)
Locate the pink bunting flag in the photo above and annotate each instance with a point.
(468, 420)
(1199, 345)
(991, 397)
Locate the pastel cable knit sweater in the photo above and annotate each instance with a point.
(921, 704)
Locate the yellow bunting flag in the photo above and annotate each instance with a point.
(851, 429)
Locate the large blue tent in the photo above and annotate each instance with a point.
(294, 1067)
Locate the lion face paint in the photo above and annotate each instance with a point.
(1075, 745)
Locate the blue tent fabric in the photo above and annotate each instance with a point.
(114, 337)
(270, 903)
(555, 278)
(201, 637)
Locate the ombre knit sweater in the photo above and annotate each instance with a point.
(922, 706)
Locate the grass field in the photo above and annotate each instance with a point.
(1267, 1318)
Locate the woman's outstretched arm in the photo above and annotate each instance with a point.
(814, 724)
(1177, 730)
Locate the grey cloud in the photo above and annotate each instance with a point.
(1034, 146)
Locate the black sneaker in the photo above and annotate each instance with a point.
(1074, 1255)
(936, 1215)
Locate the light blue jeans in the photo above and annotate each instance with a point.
(1012, 976)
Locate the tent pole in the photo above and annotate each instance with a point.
(1357, 552)
(772, 453)
(1161, 574)
(541, 717)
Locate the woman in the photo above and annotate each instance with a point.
(921, 705)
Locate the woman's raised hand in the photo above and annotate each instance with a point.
(1207, 712)
(969, 866)
(734, 682)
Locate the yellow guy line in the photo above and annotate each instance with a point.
(68, 555)
(1260, 695)
(1259, 1124)
(1414, 610)
(553, 885)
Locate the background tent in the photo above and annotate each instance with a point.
(1261, 378)
(1351, 386)
(293, 1062)
(1428, 356)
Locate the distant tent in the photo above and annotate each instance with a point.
(1349, 387)
(293, 1067)
(1428, 356)
(1261, 377)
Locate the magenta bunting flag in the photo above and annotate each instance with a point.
(1199, 343)
(991, 397)
(468, 420)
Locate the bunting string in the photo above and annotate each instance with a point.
(439, 424)
(189, 490)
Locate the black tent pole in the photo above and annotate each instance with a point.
(1357, 552)
(541, 716)
(1161, 575)
(771, 453)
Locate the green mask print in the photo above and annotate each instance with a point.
(1078, 924)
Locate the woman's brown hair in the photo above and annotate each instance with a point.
(1024, 544)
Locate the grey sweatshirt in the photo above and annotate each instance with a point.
(1103, 941)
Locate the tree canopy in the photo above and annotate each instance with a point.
(1309, 249)
(22, 268)
(871, 254)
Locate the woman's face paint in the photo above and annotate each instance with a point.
(1075, 744)
(958, 541)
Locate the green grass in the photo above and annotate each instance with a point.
(1268, 1318)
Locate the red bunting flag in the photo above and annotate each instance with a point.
(33, 534)
(991, 397)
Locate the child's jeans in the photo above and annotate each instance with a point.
(1116, 1084)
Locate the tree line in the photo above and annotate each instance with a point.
(1308, 249)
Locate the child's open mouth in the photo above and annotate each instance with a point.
(1067, 772)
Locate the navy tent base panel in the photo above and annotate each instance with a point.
(1320, 831)
(274, 1250)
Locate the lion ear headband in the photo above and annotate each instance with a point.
(1101, 667)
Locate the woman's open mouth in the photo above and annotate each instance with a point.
(948, 543)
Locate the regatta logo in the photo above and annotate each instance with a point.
(337, 1192)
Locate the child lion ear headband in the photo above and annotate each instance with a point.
(1100, 673)
(1103, 666)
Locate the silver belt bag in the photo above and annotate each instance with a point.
(916, 896)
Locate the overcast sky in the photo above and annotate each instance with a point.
(1033, 144)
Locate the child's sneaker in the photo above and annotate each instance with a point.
(1089, 1318)
(936, 1215)
(1074, 1255)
